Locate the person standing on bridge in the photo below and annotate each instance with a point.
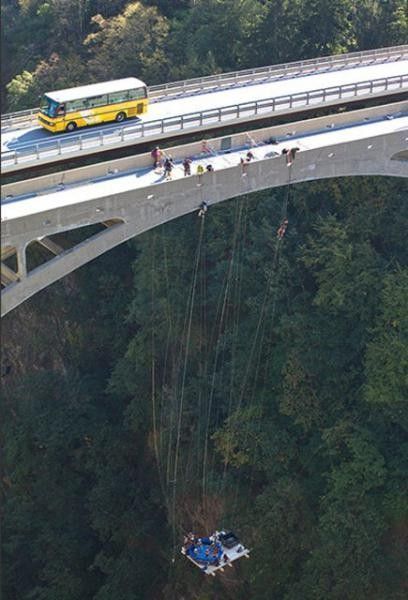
(157, 156)
(200, 171)
(168, 167)
(187, 166)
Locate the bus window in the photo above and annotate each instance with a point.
(117, 97)
(49, 107)
(137, 94)
(98, 101)
(75, 105)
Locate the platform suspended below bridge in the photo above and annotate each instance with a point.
(214, 552)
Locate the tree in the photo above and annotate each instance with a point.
(26, 89)
(130, 44)
(386, 361)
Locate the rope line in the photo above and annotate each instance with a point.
(265, 304)
(181, 403)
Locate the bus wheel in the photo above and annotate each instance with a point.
(71, 126)
(120, 117)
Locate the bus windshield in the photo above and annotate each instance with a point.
(49, 107)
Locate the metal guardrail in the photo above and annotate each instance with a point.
(171, 89)
(117, 137)
(284, 68)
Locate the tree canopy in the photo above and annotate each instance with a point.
(201, 375)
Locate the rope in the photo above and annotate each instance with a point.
(219, 350)
(253, 142)
(181, 404)
(235, 338)
(155, 444)
(275, 265)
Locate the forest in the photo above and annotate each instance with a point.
(203, 376)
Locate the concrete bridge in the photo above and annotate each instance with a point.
(125, 197)
(215, 102)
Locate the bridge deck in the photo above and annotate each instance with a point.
(112, 184)
(125, 197)
(28, 142)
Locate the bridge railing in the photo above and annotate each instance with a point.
(174, 88)
(282, 69)
(116, 137)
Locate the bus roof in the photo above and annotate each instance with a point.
(95, 89)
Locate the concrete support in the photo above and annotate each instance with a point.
(7, 252)
(112, 222)
(51, 245)
(7, 275)
(21, 261)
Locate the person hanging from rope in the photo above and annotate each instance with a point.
(157, 156)
(290, 154)
(203, 209)
(244, 164)
(282, 229)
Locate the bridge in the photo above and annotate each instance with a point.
(107, 203)
(195, 106)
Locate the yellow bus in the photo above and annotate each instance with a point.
(65, 110)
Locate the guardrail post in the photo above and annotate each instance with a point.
(256, 107)
(59, 146)
(290, 101)
(142, 130)
(15, 157)
(355, 89)
(80, 142)
(37, 151)
(182, 122)
(122, 134)
(101, 138)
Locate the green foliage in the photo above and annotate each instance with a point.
(19, 90)
(387, 353)
(129, 44)
(274, 403)
(26, 89)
